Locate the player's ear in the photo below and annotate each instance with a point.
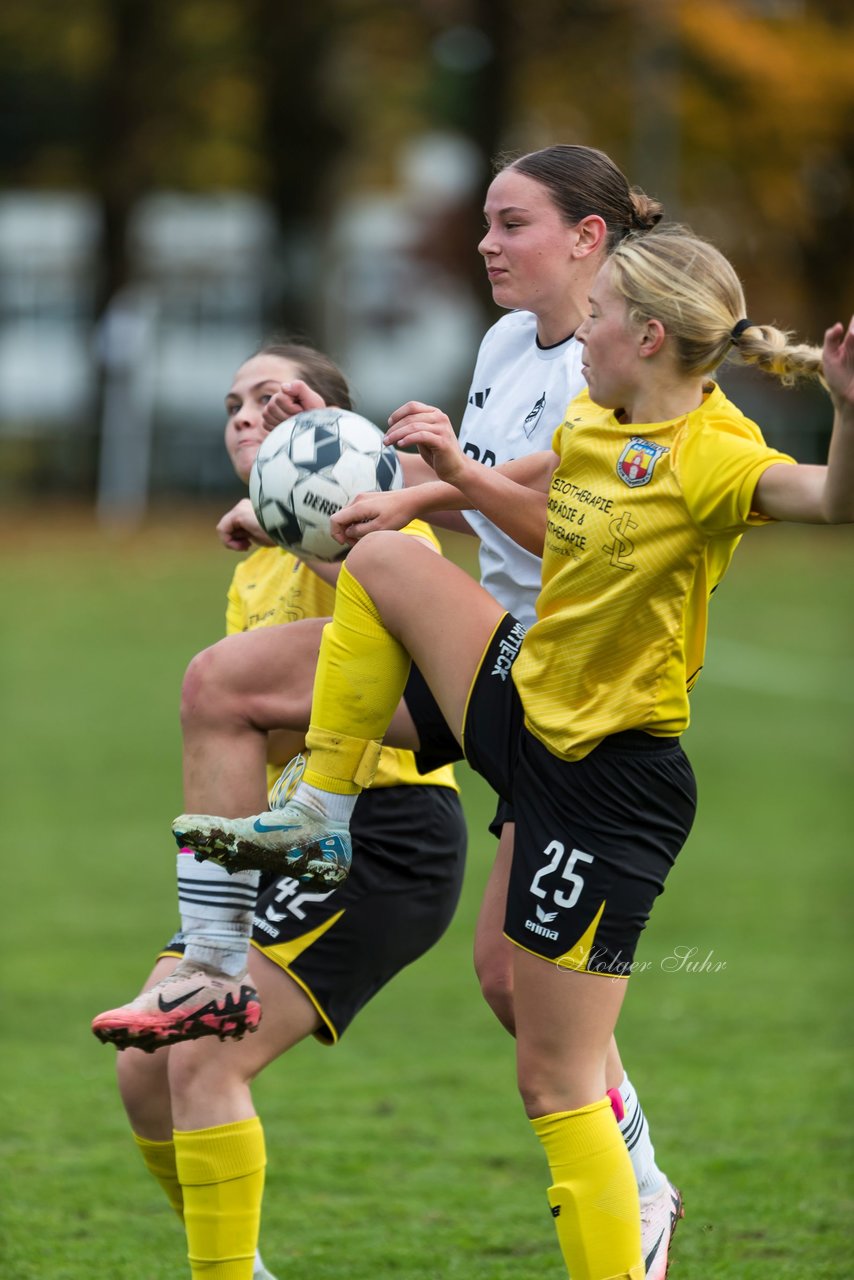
(652, 338)
(591, 233)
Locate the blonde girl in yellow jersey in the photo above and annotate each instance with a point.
(652, 480)
(551, 218)
(318, 956)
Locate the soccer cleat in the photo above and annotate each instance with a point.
(189, 1003)
(659, 1215)
(294, 841)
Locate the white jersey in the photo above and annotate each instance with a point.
(518, 396)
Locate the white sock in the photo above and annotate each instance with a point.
(329, 804)
(216, 913)
(635, 1131)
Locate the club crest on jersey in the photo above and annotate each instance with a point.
(636, 463)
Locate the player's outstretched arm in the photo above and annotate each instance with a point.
(838, 367)
(512, 496)
(814, 494)
(371, 512)
(417, 472)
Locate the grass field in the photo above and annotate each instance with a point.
(404, 1152)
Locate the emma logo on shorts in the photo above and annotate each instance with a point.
(542, 931)
(636, 463)
(543, 918)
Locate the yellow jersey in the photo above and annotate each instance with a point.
(272, 586)
(642, 522)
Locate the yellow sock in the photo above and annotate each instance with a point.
(594, 1199)
(221, 1171)
(361, 674)
(159, 1159)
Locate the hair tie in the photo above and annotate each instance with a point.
(738, 329)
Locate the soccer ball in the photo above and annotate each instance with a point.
(311, 466)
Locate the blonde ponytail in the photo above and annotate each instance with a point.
(773, 351)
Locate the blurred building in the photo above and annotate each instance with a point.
(141, 391)
(203, 274)
(136, 400)
(144, 387)
(49, 246)
(398, 309)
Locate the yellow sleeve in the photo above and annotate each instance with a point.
(718, 467)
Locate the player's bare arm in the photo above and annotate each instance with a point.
(815, 494)
(516, 507)
(417, 472)
(371, 512)
(511, 496)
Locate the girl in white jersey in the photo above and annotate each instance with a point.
(519, 389)
(552, 216)
(651, 480)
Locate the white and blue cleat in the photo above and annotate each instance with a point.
(293, 840)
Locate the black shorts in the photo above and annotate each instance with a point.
(503, 814)
(595, 838)
(342, 946)
(438, 746)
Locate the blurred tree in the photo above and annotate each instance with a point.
(302, 133)
(737, 112)
(467, 91)
(768, 107)
(114, 164)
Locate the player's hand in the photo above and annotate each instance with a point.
(239, 528)
(369, 512)
(430, 429)
(838, 365)
(292, 397)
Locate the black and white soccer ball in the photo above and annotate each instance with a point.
(311, 466)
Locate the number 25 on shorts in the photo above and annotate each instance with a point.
(556, 851)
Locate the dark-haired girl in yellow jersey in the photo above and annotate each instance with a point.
(653, 478)
(318, 956)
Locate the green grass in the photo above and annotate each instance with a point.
(404, 1152)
